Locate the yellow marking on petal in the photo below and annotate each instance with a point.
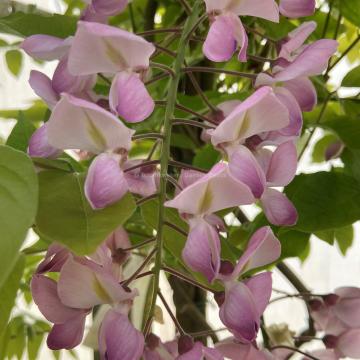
(114, 55)
(101, 292)
(95, 134)
(243, 126)
(206, 200)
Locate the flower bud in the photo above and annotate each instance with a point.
(226, 267)
(185, 344)
(331, 299)
(330, 341)
(219, 297)
(315, 305)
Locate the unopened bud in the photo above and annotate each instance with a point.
(219, 297)
(331, 299)
(185, 344)
(120, 256)
(226, 267)
(152, 341)
(315, 305)
(330, 341)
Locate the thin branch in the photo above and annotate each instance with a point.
(186, 166)
(156, 78)
(296, 350)
(174, 182)
(146, 273)
(143, 164)
(164, 50)
(140, 245)
(176, 228)
(146, 199)
(163, 67)
(186, 6)
(103, 77)
(178, 121)
(254, 31)
(153, 149)
(159, 31)
(219, 71)
(148, 136)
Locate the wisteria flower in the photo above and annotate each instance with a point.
(297, 8)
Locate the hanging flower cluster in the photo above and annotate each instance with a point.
(256, 138)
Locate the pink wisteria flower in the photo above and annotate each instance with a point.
(106, 7)
(227, 31)
(243, 302)
(118, 52)
(203, 196)
(345, 345)
(297, 8)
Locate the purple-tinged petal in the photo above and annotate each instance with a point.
(265, 9)
(42, 87)
(45, 295)
(67, 335)
(196, 353)
(129, 97)
(348, 344)
(262, 249)
(239, 313)
(260, 112)
(304, 92)
(347, 308)
(296, 118)
(244, 167)
(109, 7)
(119, 339)
(296, 40)
(278, 209)
(215, 191)
(297, 8)
(202, 249)
(235, 350)
(283, 164)
(45, 47)
(80, 124)
(261, 287)
(212, 354)
(312, 61)
(116, 50)
(105, 182)
(189, 177)
(220, 44)
(39, 144)
(89, 14)
(328, 354)
(55, 258)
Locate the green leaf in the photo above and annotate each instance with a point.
(21, 134)
(14, 60)
(23, 25)
(351, 10)
(66, 217)
(293, 243)
(352, 79)
(348, 129)
(344, 238)
(318, 154)
(18, 204)
(206, 157)
(325, 200)
(34, 113)
(8, 292)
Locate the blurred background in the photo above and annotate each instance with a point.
(323, 270)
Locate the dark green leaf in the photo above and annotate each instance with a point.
(66, 217)
(344, 238)
(348, 129)
(14, 60)
(351, 10)
(293, 243)
(318, 154)
(206, 157)
(352, 79)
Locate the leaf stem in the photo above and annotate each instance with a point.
(218, 71)
(296, 350)
(143, 243)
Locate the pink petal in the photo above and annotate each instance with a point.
(283, 164)
(45, 47)
(42, 87)
(118, 239)
(304, 92)
(87, 284)
(39, 144)
(202, 249)
(215, 191)
(55, 258)
(67, 335)
(296, 40)
(327, 354)
(189, 177)
(312, 61)
(347, 309)
(119, 338)
(89, 14)
(212, 354)
(45, 295)
(261, 112)
(116, 50)
(245, 168)
(220, 43)
(262, 249)
(278, 209)
(105, 182)
(239, 313)
(261, 287)
(265, 9)
(80, 124)
(129, 98)
(348, 344)
(234, 350)
(194, 354)
(109, 7)
(297, 8)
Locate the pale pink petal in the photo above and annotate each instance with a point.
(189, 177)
(116, 50)
(202, 249)
(119, 338)
(45, 296)
(261, 112)
(296, 39)
(39, 144)
(109, 7)
(45, 47)
(105, 182)
(55, 258)
(265, 9)
(327, 354)
(283, 164)
(129, 97)
(262, 249)
(348, 292)
(348, 344)
(278, 209)
(245, 168)
(212, 354)
(80, 124)
(312, 61)
(220, 43)
(347, 308)
(304, 92)
(297, 8)
(196, 353)
(215, 191)
(67, 335)
(239, 313)
(234, 350)
(42, 87)
(89, 14)
(261, 287)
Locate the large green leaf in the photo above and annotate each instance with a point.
(18, 204)
(24, 25)
(352, 79)
(8, 292)
(325, 200)
(66, 217)
(348, 129)
(351, 10)
(21, 133)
